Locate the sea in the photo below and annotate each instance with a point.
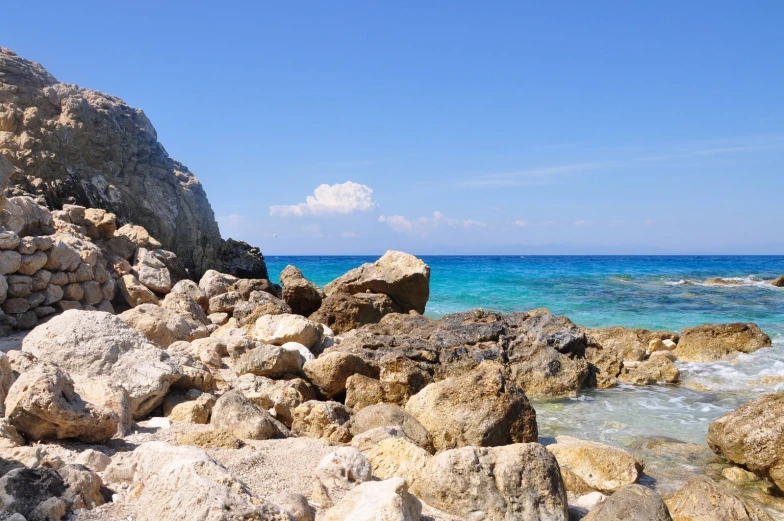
(653, 292)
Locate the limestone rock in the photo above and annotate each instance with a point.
(300, 294)
(540, 328)
(279, 329)
(6, 380)
(270, 361)
(397, 456)
(362, 392)
(541, 370)
(162, 326)
(752, 436)
(190, 288)
(9, 262)
(33, 493)
(630, 343)
(96, 345)
(656, 369)
(225, 302)
(631, 503)
(43, 404)
(94, 460)
(246, 287)
(185, 306)
(346, 312)
(481, 408)
(184, 484)
(713, 342)
(326, 420)
(296, 505)
(22, 214)
(83, 487)
(278, 396)
(235, 413)
(519, 481)
(151, 272)
(376, 501)
(134, 293)
(337, 473)
(386, 415)
(594, 466)
(214, 283)
(192, 406)
(9, 436)
(778, 282)
(701, 498)
(403, 277)
(330, 371)
(240, 259)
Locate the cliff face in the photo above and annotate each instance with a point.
(70, 145)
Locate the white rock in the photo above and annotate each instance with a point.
(280, 329)
(377, 501)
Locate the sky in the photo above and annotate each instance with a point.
(347, 127)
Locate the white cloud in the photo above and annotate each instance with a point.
(230, 225)
(349, 235)
(400, 224)
(342, 198)
(520, 223)
(583, 224)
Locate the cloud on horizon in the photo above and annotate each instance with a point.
(341, 198)
(422, 225)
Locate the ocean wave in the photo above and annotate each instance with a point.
(725, 282)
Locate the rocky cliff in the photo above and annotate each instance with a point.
(69, 145)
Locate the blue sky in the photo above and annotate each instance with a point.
(451, 127)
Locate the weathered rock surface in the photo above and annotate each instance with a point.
(280, 396)
(240, 259)
(330, 371)
(519, 481)
(270, 361)
(89, 148)
(92, 345)
(346, 312)
(377, 501)
(303, 296)
(386, 415)
(778, 282)
(279, 329)
(481, 408)
(703, 499)
(631, 503)
(235, 413)
(326, 420)
(43, 404)
(337, 473)
(185, 484)
(752, 436)
(713, 342)
(587, 465)
(403, 277)
(162, 326)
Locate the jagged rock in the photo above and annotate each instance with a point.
(657, 369)
(480, 408)
(184, 305)
(713, 342)
(94, 460)
(362, 392)
(587, 466)
(261, 303)
(270, 361)
(541, 370)
(6, 380)
(96, 345)
(81, 137)
(225, 302)
(346, 312)
(752, 436)
(303, 296)
(330, 371)
(246, 287)
(190, 288)
(30, 264)
(240, 259)
(385, 415)
(778, 282)
(151, 272)
(235, 413)
(397, 456)
(162, 326)
(540, 328)
(192, 406)
(279, 329)
(280, 396)
(701, 499)
(630, 343)
(33, 493)
(83, 487)
(214, 283)
(403, 277)
(22, 214)
(519, 481)
(631, 503)
(134, 293)
(337, 473)
(377, 500)
(369, 439)
(296, 505)
(326, 420)
(184, 484)
(43, 404)
(9, 436)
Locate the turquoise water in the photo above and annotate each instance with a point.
(633, 291)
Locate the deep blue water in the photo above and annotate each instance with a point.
(634, 291)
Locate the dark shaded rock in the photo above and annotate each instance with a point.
(346, 312)
(27, 488)
(631, 503)
(242, 260)
(302, 295)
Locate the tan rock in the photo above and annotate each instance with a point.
(481, 408)
(376, 501)
(280, 397)
(713, 342)
(192, 406)
(400, 457)
(214, 283)
(703, 499)
(236, 414)
(329, 372)
(337, 473)
(303, 296)
(134, 293)
(631, 503)
(657, 369)
(162, 326)
(388, 415)
(594, 465)
(326, 420)
(279, 329)
(343, 312)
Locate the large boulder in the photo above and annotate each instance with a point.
(280, 396)
(346, 312)
(403, 277)
(542, 370)
(480, 408)
(386, 415)
(330, 371)
(632, 503)
(701, 498)
(270, 361)
(279, 329)
(214, 283)
(185, 484)
(93, 345)
(163, 326)
(235, 413)
(587, 465)
(240, 259)
(519, 481)
(325, 420)
(752, 436)
(43, 404)
(629, 343)
(778, 282)
(712, 342)
(303, 296)
(387, 500)
(94, 150)
(151, 272)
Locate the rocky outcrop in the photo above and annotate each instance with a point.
(69, 145)
(703, 499)
(346, 312)
(778, 282)
(242, 260)
(713, 342)
(481, 408)
(518, 481)
(386, 415)
(752, 436)
(403, 277)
